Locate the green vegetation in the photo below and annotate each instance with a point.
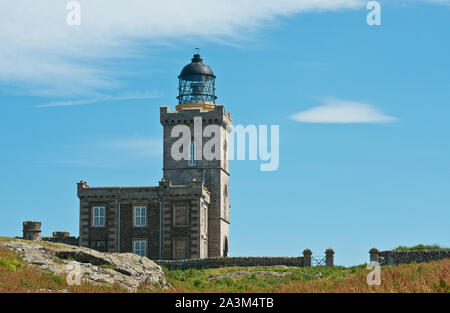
(10, 262)
(422, 277)
(110, 266)
(18, 276)
(41, 243)
(248, 279)
(420, 247)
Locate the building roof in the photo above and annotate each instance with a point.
(196, 68)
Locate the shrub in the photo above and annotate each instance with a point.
(420, 247)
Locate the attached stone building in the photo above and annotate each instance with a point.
(32, 231)
(188, 215)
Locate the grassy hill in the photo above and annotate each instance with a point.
(18, 276)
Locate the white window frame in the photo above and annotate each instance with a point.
(97, 218)
(192, 161)
(136, 217)
(144, 247)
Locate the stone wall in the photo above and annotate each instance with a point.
(392, 257)
(63, 237)
(231, 261)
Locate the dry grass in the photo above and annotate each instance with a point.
(432, 277)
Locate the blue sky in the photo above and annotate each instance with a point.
(83, 103)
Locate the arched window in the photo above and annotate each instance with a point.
(192, 161)
(225, 248)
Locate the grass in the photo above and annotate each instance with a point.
(199, 280)
(420, 247)
(41, 243)
(432, 277)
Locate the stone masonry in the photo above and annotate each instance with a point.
(160, 233)
(215, 173)
(393, 257)
(32, 230)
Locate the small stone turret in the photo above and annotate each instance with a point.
(32, 230)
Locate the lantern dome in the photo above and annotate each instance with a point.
(196, 67)
(196, 85)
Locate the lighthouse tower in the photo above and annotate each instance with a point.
(197, 102)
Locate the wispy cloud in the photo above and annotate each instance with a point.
(40, 52)
(135, 147)
(103, 98)
(439, 1)
(336, 111)
(106, 153)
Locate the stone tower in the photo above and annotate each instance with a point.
(32, 231)
(196, 111)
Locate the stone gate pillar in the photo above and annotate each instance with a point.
(329, 257)
(307, 258)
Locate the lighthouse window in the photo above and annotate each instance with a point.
(192, 161)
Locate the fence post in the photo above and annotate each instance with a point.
(373, 254)
(329, 257)
(307, 258)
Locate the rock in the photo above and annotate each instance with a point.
(129, 270)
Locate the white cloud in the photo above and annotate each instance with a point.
(39, 51)
(103, 98)
(439, 1)
(335, 111)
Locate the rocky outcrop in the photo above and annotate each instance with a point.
(79, 263)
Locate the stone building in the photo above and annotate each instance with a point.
(32, 231)
(187, 216)
(62, 237)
